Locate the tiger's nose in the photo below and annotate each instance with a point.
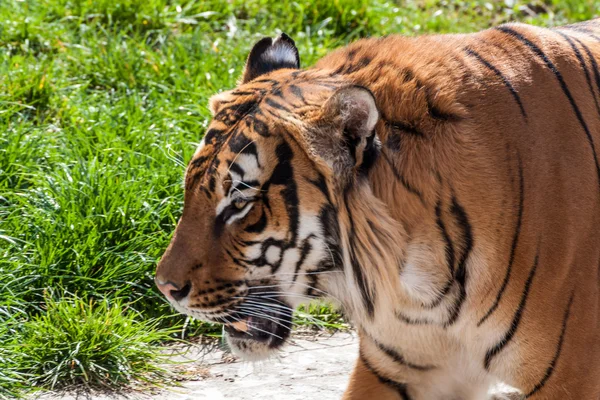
(172, 290)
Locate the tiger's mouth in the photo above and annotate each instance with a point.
(258, 335)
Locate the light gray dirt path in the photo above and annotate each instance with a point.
(308, 368)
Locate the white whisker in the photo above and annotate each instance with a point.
(238, 154)
(267, 307)
(258, 313)
(263, 331)
(326, 294)
(226, 323)
(248, 186)
(300, 273)
(305, 296)
(331, 255)
(286, 308)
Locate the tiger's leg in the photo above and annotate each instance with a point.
(364, 385)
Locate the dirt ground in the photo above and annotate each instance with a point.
(309, 367)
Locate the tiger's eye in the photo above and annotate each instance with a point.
(240, 204)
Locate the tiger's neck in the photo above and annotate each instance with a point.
(371, 255)
(394, 255)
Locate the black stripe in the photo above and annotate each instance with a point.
(403, 181)
(350, 68)
(212, 133)
(514, 325)
(202, 188)
(235, 168)
(305, 250)
(197, 266)
(412, 321)
(249, 184)
(594, 67)
(276, 105)
(231, 114)
(321, 184)
(370, 155)
(236, 260)
(394, 142)
(297, 91)
(461, 271)
(330, 229)
(400, 388)
(198, 161)
(552, 366)
(351, 54)
(499, 74)
(312, 285)
(582, 30)
(198, 168)
(404, 127)
(260, 127)
(583, 65)
(240, 143)
(442, 294)
(563, 86)
(434, 111)
(593, 22)
(593, 36)
(448, 246)
(513, 248)
(242, 93)
(259, 226)
(359, 276)
(276, 91)
(283, 174)
(399, 358)
(272, 82)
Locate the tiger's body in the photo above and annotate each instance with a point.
(445, 189)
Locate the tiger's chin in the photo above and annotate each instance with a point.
(258, 338)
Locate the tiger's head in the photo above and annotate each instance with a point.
(260, 232)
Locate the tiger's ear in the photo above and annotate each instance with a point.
(216, 102)
(353, 112)
(269, 55)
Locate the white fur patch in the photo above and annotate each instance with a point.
(273, 255)
(249, 163)
(280, 54)
(240, 214)
(309, 225)
(222, 204)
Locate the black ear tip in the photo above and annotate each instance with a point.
(285, 38)
(261, 46)
(269, 55)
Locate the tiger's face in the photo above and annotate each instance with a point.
(259, 233)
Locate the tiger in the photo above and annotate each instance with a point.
(442, 190)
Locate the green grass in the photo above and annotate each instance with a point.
(87, 343)
(101, 103)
